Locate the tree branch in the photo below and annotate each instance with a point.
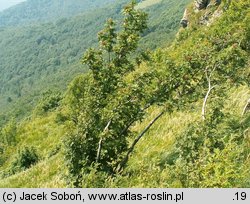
(135, 119)
(210, 88)
(246, 107)
(203, 112)
(123, 131)
(98, 156)
(130, 150)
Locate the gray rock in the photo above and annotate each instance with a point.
(215, 15)
(184, 20)
(217, 2)
(201, 4)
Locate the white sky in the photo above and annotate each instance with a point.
(4, 4)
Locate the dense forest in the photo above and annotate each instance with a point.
(131, 95)
(46, 57)
(33, 11)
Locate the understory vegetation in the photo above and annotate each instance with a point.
(175, 116)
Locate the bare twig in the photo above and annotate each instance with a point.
(107, 126)
(210, 88)
(98, 156)
(99, 151)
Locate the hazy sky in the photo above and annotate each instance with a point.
(8, 3)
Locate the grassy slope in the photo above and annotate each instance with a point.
(158, 141)
(47, 174)
(143, 167)
(46, 135)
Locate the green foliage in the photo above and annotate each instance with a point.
(212, 154)
(45, 134)
(125, 89)
(108, 103)
(49, 102)
(46, 10)
(45, 56)
(25, 158)
(8, 133)
(178, 76)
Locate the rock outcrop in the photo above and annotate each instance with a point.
(201, 4)
(209, 14)
(214, 16)
(184, 20)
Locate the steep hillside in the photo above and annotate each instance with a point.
(176, 117)
(44, 56)
(36, 58)
(34, 11)
(147, 3)
(164, 21)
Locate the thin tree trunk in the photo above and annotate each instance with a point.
(210, 88)
(98, 156)
(203, 113)
(125, 160)
(132, 122)
(99, 151)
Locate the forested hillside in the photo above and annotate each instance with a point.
(34, 11)
(36, 58)
(174, 116)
